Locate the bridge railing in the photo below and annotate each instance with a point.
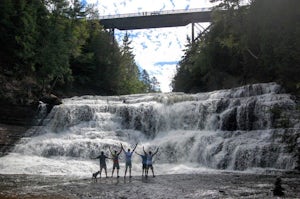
(151, 13)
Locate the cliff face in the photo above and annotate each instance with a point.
(14, 121)
(17, 109)
(19, 99)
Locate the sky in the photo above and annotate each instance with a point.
(156, 50)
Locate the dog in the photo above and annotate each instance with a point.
(94, 176)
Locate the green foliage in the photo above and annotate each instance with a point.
(61, 45)
(129, 75)
(150, 84)
(19, 32)
(246, 44)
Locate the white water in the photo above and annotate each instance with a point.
(228, 129)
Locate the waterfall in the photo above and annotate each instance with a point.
(254, 126)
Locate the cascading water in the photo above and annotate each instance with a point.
(237, 129)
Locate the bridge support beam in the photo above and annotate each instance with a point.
(193, 32)
(112, 34)
(201, 30)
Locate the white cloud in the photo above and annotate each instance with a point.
(152, 46)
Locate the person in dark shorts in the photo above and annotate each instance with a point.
(115, 158)
(150, 162)
(144, 161)
(102, 159)
(128, 163)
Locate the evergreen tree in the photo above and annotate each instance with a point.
(61, 41)
(245, 44)
(19, 34)
(63, 34)
(146, 80)
(128, 71)
(155, 85)
(54, 54)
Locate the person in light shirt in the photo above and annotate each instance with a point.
(128, 156)
(150, 161)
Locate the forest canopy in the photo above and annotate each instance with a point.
(248, 44)
(59, 46)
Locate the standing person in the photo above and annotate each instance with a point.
(115, 158)
(144, 162)
(102, 158)
(128, 156)
(150, 162)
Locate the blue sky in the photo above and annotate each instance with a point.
(156, 50)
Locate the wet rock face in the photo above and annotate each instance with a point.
(9, 135)
(50, 100)
(14, 121)
(18, 107)
(247, 108)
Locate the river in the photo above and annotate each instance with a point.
(249, 129)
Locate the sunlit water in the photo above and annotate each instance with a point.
(207, 132)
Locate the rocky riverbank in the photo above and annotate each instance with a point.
(220, 185)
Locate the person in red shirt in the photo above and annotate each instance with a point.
(115, 158)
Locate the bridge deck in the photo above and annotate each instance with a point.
(146, 20)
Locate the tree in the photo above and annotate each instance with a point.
(146, 80)
(227, 4)
(62, 47)
(19, 34)
(128, 70)
(245, 44)
(63, 33)
(54, 54)
(155, 85)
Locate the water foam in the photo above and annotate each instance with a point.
(232, 129)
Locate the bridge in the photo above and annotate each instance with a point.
(156, 19)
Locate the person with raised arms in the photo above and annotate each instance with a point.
(102, 159)
(150, 161)
(144, 161)
(128, 156)
(115, 158)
